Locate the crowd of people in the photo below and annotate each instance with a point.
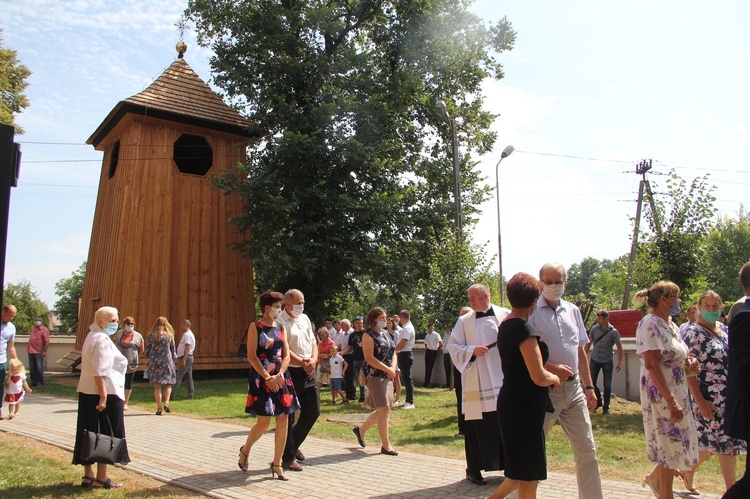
(517, 372)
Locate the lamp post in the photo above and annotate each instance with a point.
(443, 110)
(506, 152)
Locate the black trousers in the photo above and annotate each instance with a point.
(309, 403)
(430, 356)
(350, 387)
(405, 362)
(741, 489)
(448, 366)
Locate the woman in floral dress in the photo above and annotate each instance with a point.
(707, 339)
(270, 391)
(671, 437)
(161, 352)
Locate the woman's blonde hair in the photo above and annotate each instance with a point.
(11, 364)
(651, 296)
(162, 326)
(102, 313)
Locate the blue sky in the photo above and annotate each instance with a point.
(615, 81)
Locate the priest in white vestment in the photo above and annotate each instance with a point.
(473, 350)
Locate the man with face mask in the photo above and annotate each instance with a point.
(561, 327)
(303, 352)
(37, 350)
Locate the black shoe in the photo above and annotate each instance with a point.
(299, 456)
(459, 435)
(387, 452)
(476, 478)
(359, 436)
(291, 466)
(166, 408)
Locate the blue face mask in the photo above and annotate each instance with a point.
(111, 328)
(675, 308)
(710, 316)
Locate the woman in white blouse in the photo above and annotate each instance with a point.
(101, 389)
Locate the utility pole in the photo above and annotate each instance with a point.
(641, 168)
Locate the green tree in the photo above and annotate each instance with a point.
(727, 246)
(70, 291)
(353, 181)
(684, 219)
(581, 275)
(452, 269)
(13, 82)
(28, 303)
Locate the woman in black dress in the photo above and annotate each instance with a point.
(270, 391)
(524, 396)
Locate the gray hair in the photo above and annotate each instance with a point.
(187, 323)
(554, 266)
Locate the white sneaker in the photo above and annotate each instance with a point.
(408, 406)
(396, 403)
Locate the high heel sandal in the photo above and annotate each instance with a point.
(243, 466)
(647, 481)
(276, 470)
(688, 485)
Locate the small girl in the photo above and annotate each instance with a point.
(15, 384)
(338, 368)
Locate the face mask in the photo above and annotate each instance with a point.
(381, 324)
(274, 312)
(298, 309)
(710, 316)
(111, 328)
(675, 308)
(38, 323)
(553, 292)
(129, 329)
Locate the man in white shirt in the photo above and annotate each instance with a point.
(561, 327)
(342, 341)
(184, 360)
(303, 352)
(406, 357)
(432, 343)
(7, 346)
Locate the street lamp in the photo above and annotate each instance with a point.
(506, 152)
(443, 110)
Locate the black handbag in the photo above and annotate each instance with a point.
(242, 349)
(98, 447)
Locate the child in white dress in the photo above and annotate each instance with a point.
(15, 384)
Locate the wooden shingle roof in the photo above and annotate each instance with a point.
(179, 95)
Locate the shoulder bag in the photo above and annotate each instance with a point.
(98, 447)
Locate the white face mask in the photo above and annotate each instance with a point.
(298, 309)
(553, 292)
(129, 329)
(38, 323)
(274, 312)
(381, 324)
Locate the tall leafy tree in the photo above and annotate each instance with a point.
(353, 181)
(580, 276)
(684, 218)
(27, 302)
(727, 250)
(70, 291)
(13, 82)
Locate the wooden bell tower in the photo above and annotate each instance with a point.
(161, 243)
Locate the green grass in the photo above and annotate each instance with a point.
(430, 428)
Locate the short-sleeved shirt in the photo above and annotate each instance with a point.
(605, 340)
(7, 334)
(407, 332)
(355, 341)
(300, 334)
(432, 340)
(337, 366)
(562, 329)
(188, 338)
(38, 338)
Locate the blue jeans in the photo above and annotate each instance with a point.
(606, 368)
(2, 383)
(36, 366)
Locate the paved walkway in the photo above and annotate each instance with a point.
(207, 464)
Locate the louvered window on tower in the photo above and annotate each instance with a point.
(193, 155)
(114, 156)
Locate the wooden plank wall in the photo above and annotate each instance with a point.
(161, 242)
